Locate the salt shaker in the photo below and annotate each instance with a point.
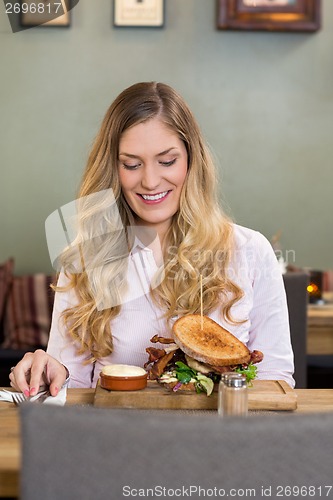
(232, 397)
(223, 379)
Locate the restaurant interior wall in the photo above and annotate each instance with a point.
(263, 100)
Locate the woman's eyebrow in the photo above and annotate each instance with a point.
(166, 151)
(129, 155)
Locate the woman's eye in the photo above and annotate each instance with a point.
(168, 163)
(131, 167)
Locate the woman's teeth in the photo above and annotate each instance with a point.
(154, 197)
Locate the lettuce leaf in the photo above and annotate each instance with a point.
(184, 373)
(206, 383)
(250, 372)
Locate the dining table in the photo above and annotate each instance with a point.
(308, 401)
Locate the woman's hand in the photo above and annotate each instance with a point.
(37, 369)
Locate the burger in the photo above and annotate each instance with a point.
(198, 354)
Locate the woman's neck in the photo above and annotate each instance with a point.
(153, 238)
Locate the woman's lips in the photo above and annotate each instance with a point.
(149, 199)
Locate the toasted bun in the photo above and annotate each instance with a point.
(213, 344)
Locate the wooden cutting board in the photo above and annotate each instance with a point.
(263, 395)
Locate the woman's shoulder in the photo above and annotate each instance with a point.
(249, 239)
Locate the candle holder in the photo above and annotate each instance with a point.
(315, 287)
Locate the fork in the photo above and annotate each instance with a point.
(19, 398)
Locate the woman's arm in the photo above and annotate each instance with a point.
(62, 347)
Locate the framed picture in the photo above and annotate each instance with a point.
(269, 15)
(138, 13)
(45, 13)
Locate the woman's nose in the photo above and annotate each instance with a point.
(150, 177)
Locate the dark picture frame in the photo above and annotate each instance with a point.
(138, 13)
(50, 17)
(269, 15)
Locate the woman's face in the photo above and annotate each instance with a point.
(152, 164)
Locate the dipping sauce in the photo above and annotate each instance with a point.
(123, 371)
(123, 378)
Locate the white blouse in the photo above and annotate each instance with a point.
(254, 268)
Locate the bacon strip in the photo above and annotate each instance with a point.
(222, 369)
(154, 355)
(159, 366)
(162, 340)
(256, 357)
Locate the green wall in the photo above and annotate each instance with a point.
(264, 102)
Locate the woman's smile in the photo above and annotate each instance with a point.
(151, 199)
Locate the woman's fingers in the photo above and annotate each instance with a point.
(20, 374)
(38, 365)
(36, 369)
(56, 384)
(56, 374)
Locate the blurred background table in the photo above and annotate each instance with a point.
(320, 344)
(320, 329)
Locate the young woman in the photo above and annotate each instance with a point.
(149, 229)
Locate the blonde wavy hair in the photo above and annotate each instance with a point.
(198, 243)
